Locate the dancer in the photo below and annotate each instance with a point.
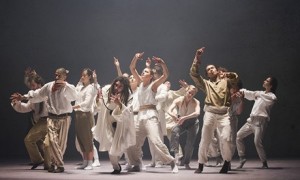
(160, 96)
(148, 124)
(188, 110)
(259, 117)
(217, 104)
(170, 123)
(60, 94)
(115, 126)
(37, 133)
(87, 89)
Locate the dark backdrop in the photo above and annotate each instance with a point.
(254, 38)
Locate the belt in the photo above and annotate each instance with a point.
(58, 116)
(135, 112)
(145, 107)
(82, 112)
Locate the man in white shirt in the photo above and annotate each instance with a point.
(60, 94)
(34, 140)
(258, 120)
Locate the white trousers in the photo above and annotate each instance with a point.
(148, 128)
(211, 121)
(257, 126)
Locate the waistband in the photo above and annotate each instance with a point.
(59, 116)
(82, 112)
(135, 112)
(146, 107)
(216, 110)
(44, 118)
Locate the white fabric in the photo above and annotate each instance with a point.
(263, 102)
(59, 101)
(28, 107)
(161, 96)
(115, 141)
(86, 97)
(146, 97)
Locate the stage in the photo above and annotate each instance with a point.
(278, 169)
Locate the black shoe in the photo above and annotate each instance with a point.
(200, 169)
(117, 171)
(35, 165)
(59, 170)
(225, 167)
(51, 168)
(229, 166)
(265, 165)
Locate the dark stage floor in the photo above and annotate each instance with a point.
(278, 169)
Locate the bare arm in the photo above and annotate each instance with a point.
(117, 64)
(132, 67)
(194, 114)
(164, 76)
(172, 107)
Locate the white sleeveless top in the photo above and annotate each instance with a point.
(146, 97)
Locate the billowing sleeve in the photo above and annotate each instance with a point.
(268, 98)
(23, 107)
(250, 95)
(70, 92)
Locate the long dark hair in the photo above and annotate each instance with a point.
(126, 89)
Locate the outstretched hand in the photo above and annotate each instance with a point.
(139, 55)
(95, 76)
(116, 62)
(199, 52)
(115, 99)
(183, 83)
(16, 97)
(148, 62)
(239, 94)
(157, 60)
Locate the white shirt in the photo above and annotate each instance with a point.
(263, 102)
(59, 101)
(29, 106)
(86, 97)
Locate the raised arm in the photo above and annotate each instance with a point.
(194, 71)
(117, 64)
(196, 62)
(132, 67)
(164, 76)
(173, 107)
